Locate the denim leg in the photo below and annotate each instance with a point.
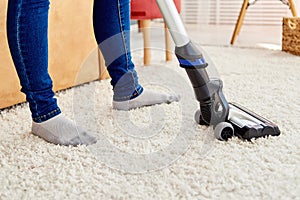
(111, 20)
(27, 32)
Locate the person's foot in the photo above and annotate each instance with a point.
(146, 98)
(63, 131)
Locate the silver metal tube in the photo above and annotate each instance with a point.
(174, 22)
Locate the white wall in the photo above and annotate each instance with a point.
(265, 12)
(297, 2)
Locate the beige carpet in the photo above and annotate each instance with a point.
(159, 152)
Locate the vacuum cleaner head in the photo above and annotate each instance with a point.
(248, 125)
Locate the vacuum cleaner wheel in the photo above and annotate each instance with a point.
(198, 118)
(223, 131)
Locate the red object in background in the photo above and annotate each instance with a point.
(148, 9)
(144, 11)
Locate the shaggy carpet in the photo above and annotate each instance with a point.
(159, 152)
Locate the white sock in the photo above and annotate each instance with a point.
(63, 131)
(147, 98)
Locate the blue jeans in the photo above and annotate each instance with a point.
(111, 20)
(27, 31)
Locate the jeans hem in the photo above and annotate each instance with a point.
(136, 93)
(47, 116)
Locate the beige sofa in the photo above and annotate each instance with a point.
(73, 55)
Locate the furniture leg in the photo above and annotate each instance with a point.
(168, 44)
(145, 26)
(239, 21)
(293, 8)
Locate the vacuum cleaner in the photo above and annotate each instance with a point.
(227, 119)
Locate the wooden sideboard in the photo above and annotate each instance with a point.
(73, 54)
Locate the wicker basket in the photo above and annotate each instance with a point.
(291, 35)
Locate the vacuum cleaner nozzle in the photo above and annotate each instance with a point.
(248, 125)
